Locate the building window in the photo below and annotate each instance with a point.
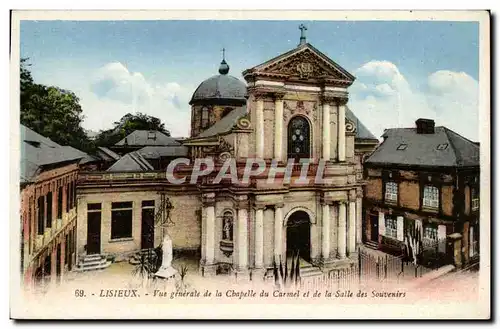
(227, 226)
(299, 138)
(431, 233)
(391, 192)
(74, 194)
(475, 199)
(49, 209)
(204, 117)
(431, 196)
(391, 227)
(121, 220)
(59, 202)
(68, 199)
(41, 213)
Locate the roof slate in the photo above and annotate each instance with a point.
(422, 149)
(140, 138)
(155, 152)
(38, 151)
(361, 131)
(226, 123)
(132, 161)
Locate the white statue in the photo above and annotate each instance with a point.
(166, 270)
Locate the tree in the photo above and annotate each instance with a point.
(52, 112)
(128, 124)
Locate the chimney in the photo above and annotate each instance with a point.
(425, 126)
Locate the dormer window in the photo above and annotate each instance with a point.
(442, 147)
(151, 135)
(402, 147)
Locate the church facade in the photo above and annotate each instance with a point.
(292, 115)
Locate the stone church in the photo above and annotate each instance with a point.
(293, 106)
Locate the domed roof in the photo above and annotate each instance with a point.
(222, 88)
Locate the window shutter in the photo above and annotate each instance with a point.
(381, 223)
(442, 238)
(400, 227)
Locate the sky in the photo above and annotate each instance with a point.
(404, 70)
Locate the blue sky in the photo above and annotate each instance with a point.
(412, 68)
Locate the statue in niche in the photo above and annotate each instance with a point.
(227, 226)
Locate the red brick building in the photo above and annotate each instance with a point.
(430, 176)
(48, 208)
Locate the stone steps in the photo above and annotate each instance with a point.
(92, 263)
(371, 245)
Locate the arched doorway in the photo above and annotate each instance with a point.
(298, 235)
(299, 138)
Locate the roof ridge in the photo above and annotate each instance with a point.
(458, 157)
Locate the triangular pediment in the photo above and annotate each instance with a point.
(304, 63)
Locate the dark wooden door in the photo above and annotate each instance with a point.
(93, 233)
(374, 228)
(147, 228)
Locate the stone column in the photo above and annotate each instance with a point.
(242, 261)
(278, 126)
(268, 237)
(341, 132)
(325, 231)
(352, 223)
(208, 229)
(259, 127)
(341, 246)
(326, 129)
(210, 234)
(359, 216)
(259, 236)
(278, 231)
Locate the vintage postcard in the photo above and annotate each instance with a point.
(250, 165)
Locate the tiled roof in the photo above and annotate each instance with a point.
(147, 137)
(361, 131)
(155, 152)
(132, 161)
(107, 153)
(443, 148)
(226, 123)
(38, 151)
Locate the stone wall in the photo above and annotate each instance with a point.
(185, 233)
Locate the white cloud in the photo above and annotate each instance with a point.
(115, 91)
(383, 98)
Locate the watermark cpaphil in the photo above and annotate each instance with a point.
(239, 173)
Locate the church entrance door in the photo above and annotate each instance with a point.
(298, 235)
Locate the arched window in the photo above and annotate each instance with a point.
(299, 138)
(227, 226)
(204, 117)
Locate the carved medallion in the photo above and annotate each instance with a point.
(305, 69)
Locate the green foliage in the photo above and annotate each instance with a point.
(128, 124)
(147, 265)
(52, 112)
